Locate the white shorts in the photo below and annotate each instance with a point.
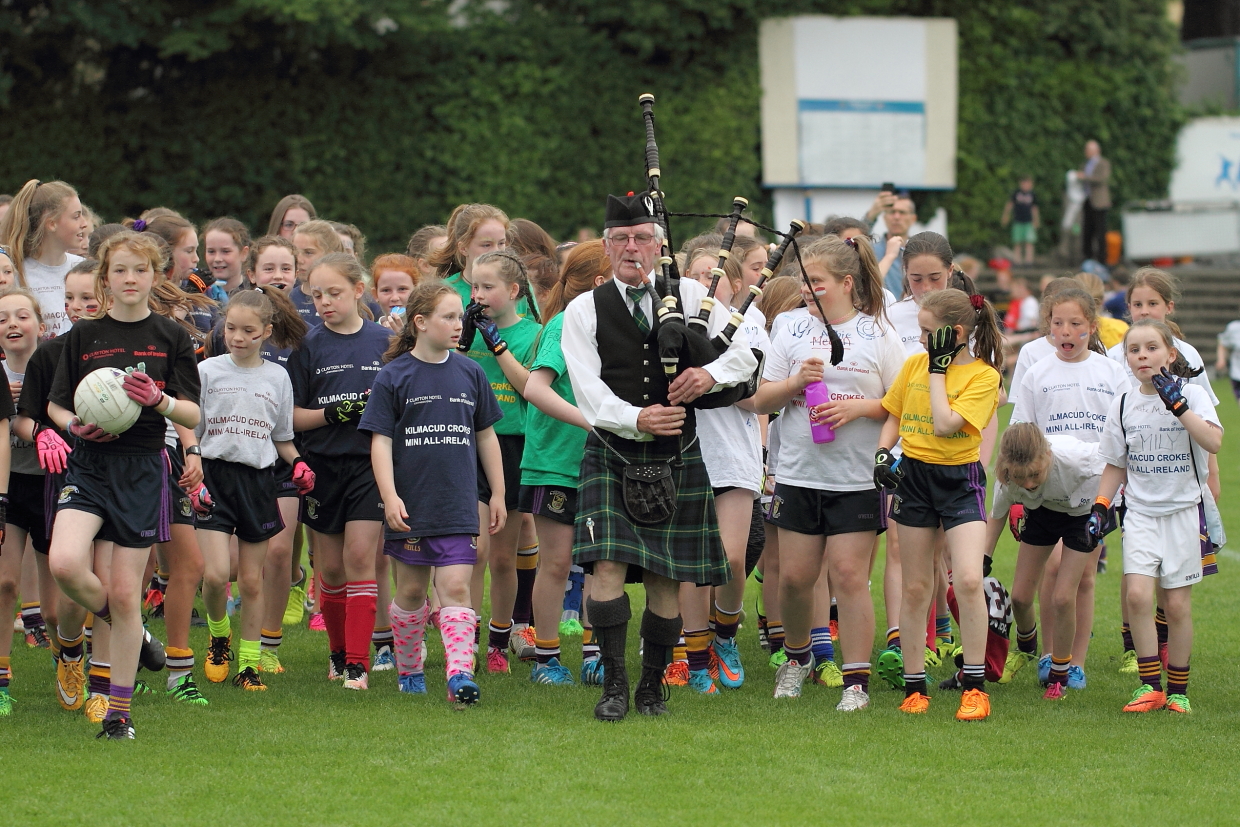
(1167, 547)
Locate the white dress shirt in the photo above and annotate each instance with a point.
(598, 404)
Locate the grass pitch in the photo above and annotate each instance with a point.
(307, 752)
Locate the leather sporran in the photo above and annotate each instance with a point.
(649, 493)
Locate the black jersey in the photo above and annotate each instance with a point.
(159, 347)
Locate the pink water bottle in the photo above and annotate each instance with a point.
(815, 395)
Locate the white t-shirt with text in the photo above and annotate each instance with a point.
(48, 285)
(1071, 484)
(1069, 397)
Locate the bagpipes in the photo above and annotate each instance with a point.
(682, 345)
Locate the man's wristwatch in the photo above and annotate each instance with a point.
(193, 450)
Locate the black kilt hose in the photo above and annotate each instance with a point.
(687, 548)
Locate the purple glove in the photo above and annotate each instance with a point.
(53, 451)
(89, 431)
(142, 389)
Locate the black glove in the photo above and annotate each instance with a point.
(943, 348)
(346, 411)
(1171, 392)
(4, 516)
(468, 329)
(490, 333)
(886, 474)
(1099, 516)
(986, 563)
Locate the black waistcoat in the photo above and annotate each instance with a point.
(630, 359)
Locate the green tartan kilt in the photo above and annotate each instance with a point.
(687, 548)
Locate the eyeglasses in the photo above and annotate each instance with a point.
(622, 240)
(289, 225)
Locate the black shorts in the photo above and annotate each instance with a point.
(344, 491)
(284, 480)
(934, 495)
(26, 508)
(128, 492)
(181, 508)
(511, 447)
(52, 484)
(555, 502)
(1235, 389)
(826, 513)
(245, 501)
(1044, 527)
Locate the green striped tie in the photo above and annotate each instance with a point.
(635, 296)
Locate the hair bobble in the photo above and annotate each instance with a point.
(978, 301)
(139, 226)
(851, 242)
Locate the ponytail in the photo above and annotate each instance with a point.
(853, 257)
(975, 315)
(24, 225)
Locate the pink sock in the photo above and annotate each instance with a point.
(456, 626)
(408, 631)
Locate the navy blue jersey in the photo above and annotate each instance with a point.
(329, 367)
(37, 383)
(433, 413)
(305, 305)
(159, 346)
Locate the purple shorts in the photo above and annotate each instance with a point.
(445, 550)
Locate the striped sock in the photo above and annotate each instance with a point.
(6, 672)
(270, 641)
(943, 627)
(1126, 633)
(915, 683)
(105, 614)
(70, 648)
(180, 662)
(1059, 669)
(498, 634)
(803, 655)
(88, 632)
(118, 701)
(1160, 625)
(775, 635)
(527, 569)
(1027, 642)
(681, 650)
(589, 649)
(974, 676)
(247, 654)
(545, 650)
(380, 637)
(1177, 680)
(1150, 670)
(32, 615)
(856, 674)
(820, 640)
(726, 624)
(697, 644)
(161, 581)
(893, 637)
(99, 679)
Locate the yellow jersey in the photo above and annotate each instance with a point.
(1111, 331)
(972, 392)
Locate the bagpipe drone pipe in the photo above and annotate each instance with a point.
(682, 344)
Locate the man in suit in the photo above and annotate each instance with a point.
(1096, 176)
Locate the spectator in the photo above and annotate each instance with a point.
(1022, 211)
(1228, 361)
(1096, 176)
(899, 217)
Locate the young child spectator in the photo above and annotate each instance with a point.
(1022, 211)
(1023, 318)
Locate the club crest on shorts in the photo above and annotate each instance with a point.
(312, 508)
(776, 503)
(895, 503)
(187, 507)
(66, 493)
(556, 502)
(413, 544)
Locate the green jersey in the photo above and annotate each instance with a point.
(520, 337)
(553, 449)
(463, 288)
